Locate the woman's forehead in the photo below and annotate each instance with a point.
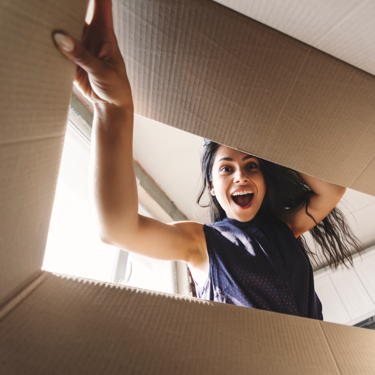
(227, 152)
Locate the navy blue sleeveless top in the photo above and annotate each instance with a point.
(259, 264)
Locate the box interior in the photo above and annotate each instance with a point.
(214, 73)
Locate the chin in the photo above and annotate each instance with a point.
(244, 213)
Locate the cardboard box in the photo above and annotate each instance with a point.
(214, 73)
(211, 71)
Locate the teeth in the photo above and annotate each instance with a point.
(242, 193)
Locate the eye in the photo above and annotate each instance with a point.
(252, 165)
(225, 168)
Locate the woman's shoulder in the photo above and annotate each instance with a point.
(276, 224)
(191, 228)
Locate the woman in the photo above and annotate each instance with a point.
(258, 258)
(238, 182)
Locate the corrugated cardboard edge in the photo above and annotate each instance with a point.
(147, 310)
(149, 331)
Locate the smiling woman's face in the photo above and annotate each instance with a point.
(237, 183)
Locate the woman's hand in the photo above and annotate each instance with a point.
(101, 74)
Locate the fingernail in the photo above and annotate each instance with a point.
(64, 42)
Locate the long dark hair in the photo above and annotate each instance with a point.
(287, 190)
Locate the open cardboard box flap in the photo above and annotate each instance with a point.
(214, 73)
(211, 71)
(87, 327)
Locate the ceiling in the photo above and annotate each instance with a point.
(172, 158)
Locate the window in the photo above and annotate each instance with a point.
(73, 245)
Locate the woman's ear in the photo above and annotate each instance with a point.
(212, 189)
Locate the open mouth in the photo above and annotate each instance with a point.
(243, 200)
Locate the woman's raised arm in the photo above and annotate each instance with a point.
(101, 76)
(325, 198)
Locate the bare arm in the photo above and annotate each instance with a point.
(114, 191)
(101, 76)
(322, 202)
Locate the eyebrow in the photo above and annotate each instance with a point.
(245, 158)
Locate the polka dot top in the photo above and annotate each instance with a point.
(259, 264)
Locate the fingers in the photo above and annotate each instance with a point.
(85, 34)
(81, 79)
(76, 53)
(103, 13)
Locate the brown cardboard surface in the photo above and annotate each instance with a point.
(28, 177)
(352, 348)
(82, 326)
(35, 81)
(208, 70)
(343, 29)
(214, 73)
(325, 131)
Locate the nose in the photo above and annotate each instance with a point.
(241, 176)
